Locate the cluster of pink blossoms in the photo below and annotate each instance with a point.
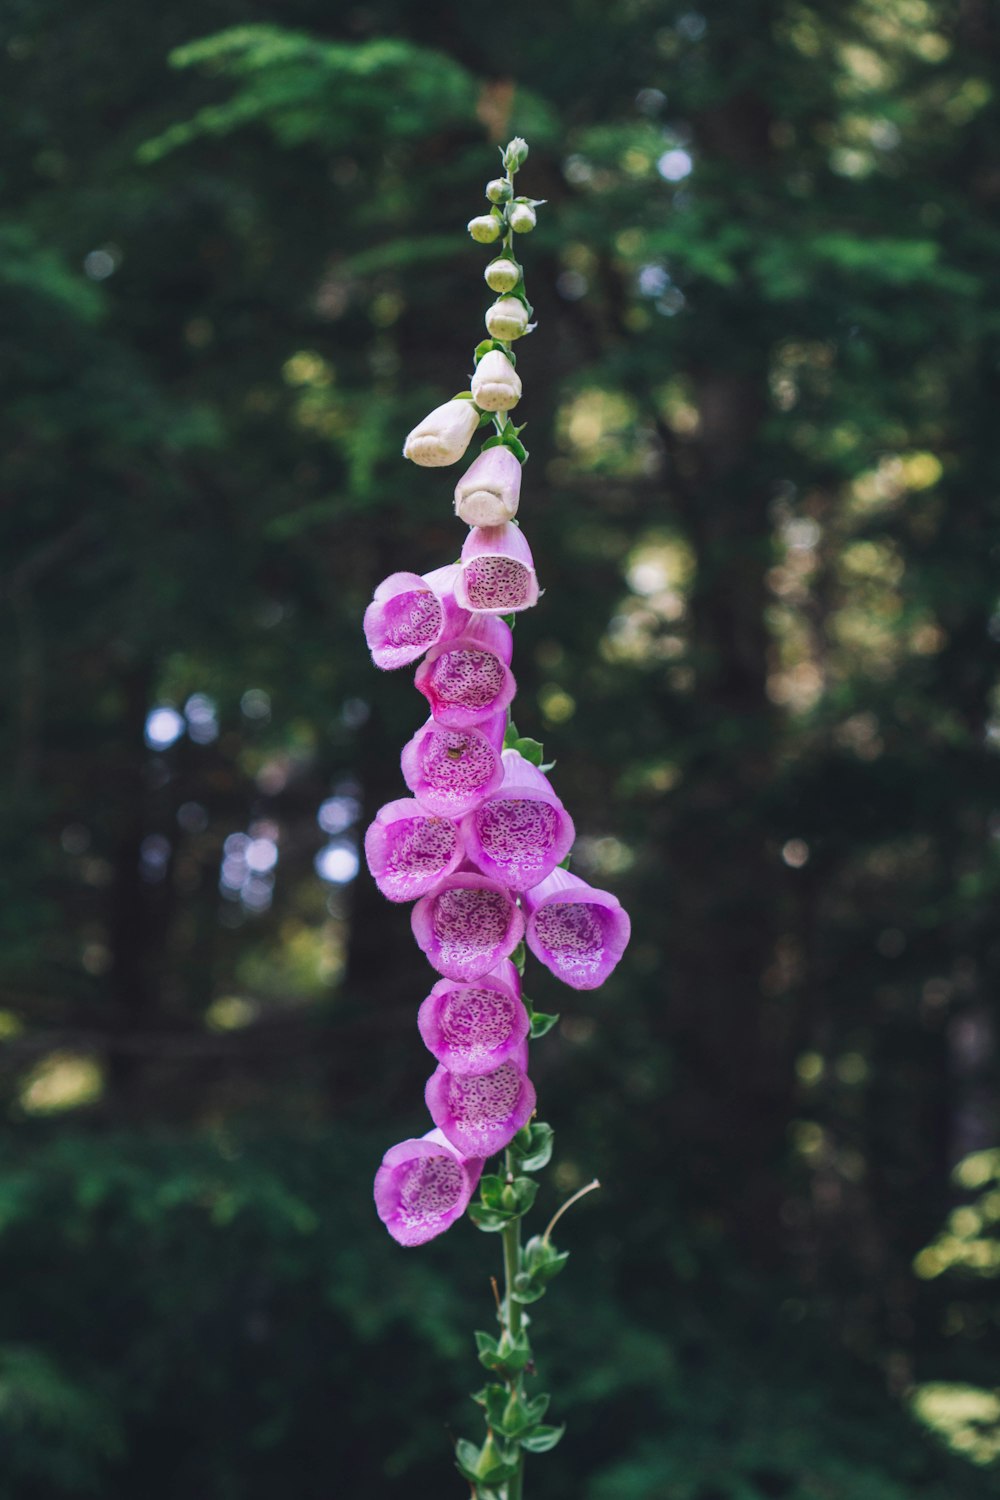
(480, 843)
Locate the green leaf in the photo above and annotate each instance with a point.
(533, 1146)
(532, 750)
(518, 957)
(511, 736)
(564, 864)
(467, 1457)
(542, 1439)
(541, 1023)
(489, 1220)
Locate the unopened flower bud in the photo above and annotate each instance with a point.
(484, 228)
(502, 275)
(444, 434)
(507, 319)
(496, 385)
(499, 190)
(488, 492)
(522, 218)
(516, 154)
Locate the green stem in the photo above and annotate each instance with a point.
(512, 1314)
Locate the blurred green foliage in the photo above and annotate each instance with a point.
(763, 497)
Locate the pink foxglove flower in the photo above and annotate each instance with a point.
(423, 1186)
(496, 385)
(409, 849)
(497, 572)
(450, 770)
(473, 1028)
(520, 833)
(444, 434)
(489, 491)
(467, 678)
(410, 614)
(578, 932)
(481, 1114)
(467, 925)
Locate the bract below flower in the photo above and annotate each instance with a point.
(410, 614)
(467, 679)
(521, 832)
(489, 491)
(450, 770)
(576, 931)
(481, 1114)
(423, 1186)
(444, 434)
(409, 850)
(467, 925)
(473, 1028)
(497, 574)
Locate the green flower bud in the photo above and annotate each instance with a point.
(522, 218)
(516, 154)
(507, 319)
(484, 229)
(502, 275)
(499, 190)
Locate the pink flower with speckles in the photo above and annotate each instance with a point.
(409, 849)
(467, 678)
(474, 1027)
(497, 572)
(410, 614)
(482, 1114)
(450, 770)
(423, 1186)
(521, 832)
(576, 931)
(467, 925)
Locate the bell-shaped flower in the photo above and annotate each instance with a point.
(576, 931)
(473, 1028)
(488, 492)
(522, 832)
(410, 614)
(507, 319)
(450, 770)
(467, 679)
(497, 572)
(409, 850)
(467, 925)
(444, 434)
(423, 1186)
(502, 274)
(496, 385)
(482, 1114)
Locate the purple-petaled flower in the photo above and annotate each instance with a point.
(497, 574)
(467, 678)
(483, 1113)
(578, 932)
(409, 849)
(467, 925)
(488, 492)
(473, 1028)
(520, 833)
(423, 1186)
(449, 770)
(410, 614)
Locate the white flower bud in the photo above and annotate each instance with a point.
(484, 229)
(522, 218)
(507, 319)
(488, 492)
(499, 190)
(516, 154)
(496, 385)
(502, 275)
(444, 434)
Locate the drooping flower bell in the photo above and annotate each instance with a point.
(449, 770)
(467, 679)
(409, 850)
(497, 574)
(467, 925)
(409, 614)
(482, 1114)
(443, 435)
(488, 492)
(473, 1028)
(576, 931)
(423, 1186)
(521, 832)
(496, 385)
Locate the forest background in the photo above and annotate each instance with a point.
(764, 497)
